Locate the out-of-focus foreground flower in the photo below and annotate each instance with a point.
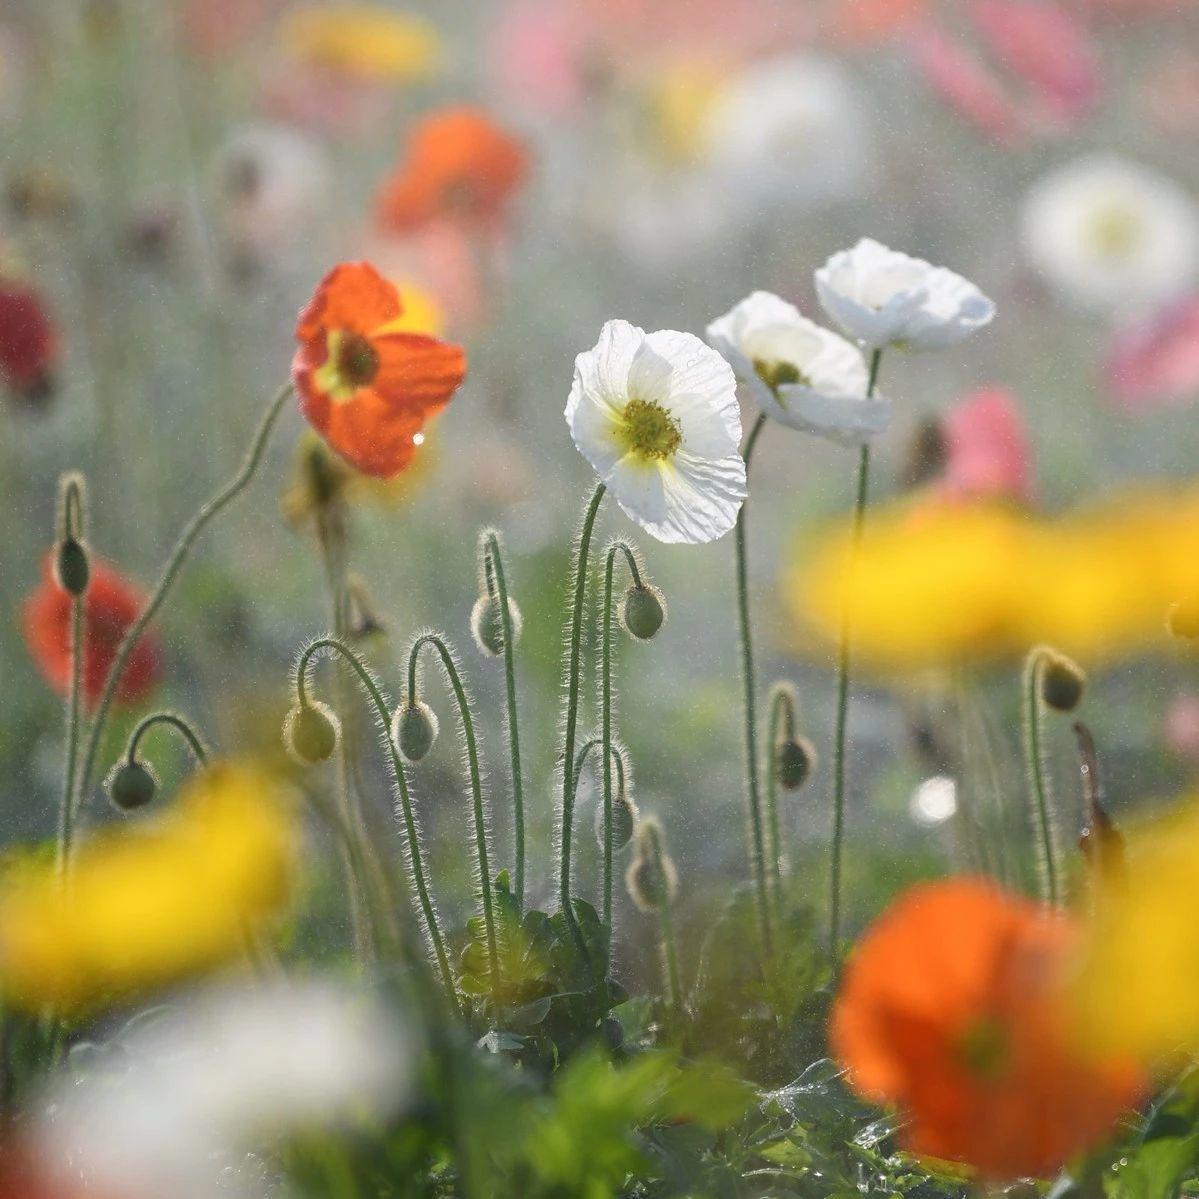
(987, 450)
(365, 384)
(952, 1008)
(188, 1095)
(656, 416)
(110, 606)
(1156, 364)
(149, 904)
(363, 41)
(938, 583)
(29, 341)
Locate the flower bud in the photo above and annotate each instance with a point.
(131, 784)
(414, 729)
(1062, 682)
(794, 761)
(311, 732)
(487, 624)
(624, 820)
(1183, 619)
(651, 878)
(643, 611)
(71, 569)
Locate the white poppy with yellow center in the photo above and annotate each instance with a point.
(656, 415)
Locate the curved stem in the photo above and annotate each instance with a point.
(452, 675)
(843, 668)
(582, 560)
(173, 720)
(495, 572)
(175, 562)
(66, 810)
(757, 853)
(1034, 758)
(383, 718)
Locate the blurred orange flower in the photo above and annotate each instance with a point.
(950, 1008)
(365, 383)
(458, 163)
(110, 606)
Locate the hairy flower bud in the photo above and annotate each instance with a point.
(794, 761)
(651, 878)
(72, 571)
(624, 820)
(1062, 681)
(643, 611)
(414, 729)
(131, 784)
(487, 624)
(311, 732)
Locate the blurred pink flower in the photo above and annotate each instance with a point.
(987, 451)
(539, 53)
(216, 27)
(323, 101)
(1181, 726)
(1170, 92)
(1157, 364)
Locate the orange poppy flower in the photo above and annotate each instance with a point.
(949, 1009)
(364, 384)
(458, 163)
(110, 606)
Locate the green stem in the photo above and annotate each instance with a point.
(782, 721)
(617, 547)
(757, 852)
(66, 811)
(670, 957)
(221, 500)
(496, 572)
(581, 564)
(400, 779)
(453, 677)
(843, 669)
(175, 721)
(1034, 757)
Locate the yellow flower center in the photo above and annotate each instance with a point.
(352, 363)
(1114, 230)
(777, 374)
(984, 1049)
(649, 431)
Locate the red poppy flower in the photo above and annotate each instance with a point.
(110, 606)
(949, 1009)
(28, 341)
(458, 163)
(366, 387)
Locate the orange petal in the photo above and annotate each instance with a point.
(353, 295)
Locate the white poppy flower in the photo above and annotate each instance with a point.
(882, 298)
(802, 375)
(1109, 234)
(656, 416)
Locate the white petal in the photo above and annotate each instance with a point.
(700, 379)
(703, 497)
(847, 420)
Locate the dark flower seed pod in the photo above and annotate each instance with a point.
(1062, 682)
(311, 732)
(72, 570)
(794, 761)
(414, 729)
(131, 784)
(643, 611)
(487, 624)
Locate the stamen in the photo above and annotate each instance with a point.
(650, 431)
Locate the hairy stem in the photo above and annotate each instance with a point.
(1034, 759)
(172, 720)
(781, 722)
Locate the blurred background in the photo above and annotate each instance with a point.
(176, 176)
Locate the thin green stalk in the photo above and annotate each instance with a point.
(452, 675)
(781, 723)
(670, 957)
(581, 565)
(843, 668)
(757, 852)
(495, 574)
(400, 778)
(1034, 758)
(172, 720)
(615, 548)
(66, 810)
(221, 500)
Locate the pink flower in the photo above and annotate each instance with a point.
(1182, 725)
(1157, 364)
(987, 451)
(539, 52)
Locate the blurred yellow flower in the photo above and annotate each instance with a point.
(364, 40)
(1137, 987)
(151, 903)
(681, 103)
(938, 583)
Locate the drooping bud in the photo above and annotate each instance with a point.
(1062, 681)
(414, 729)
(72, 571)
(624, 820)
(1182, 620)
(487, 624)
(131, 784)
(651, 878)
(311, 732)
(794, 761)
(643, 611)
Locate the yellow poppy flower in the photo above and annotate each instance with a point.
(364, 40)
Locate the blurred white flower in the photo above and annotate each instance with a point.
(799, 373)
(883, 297)
(656, 416)
(790, 130)
(178, 1103)
(1108, 233)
